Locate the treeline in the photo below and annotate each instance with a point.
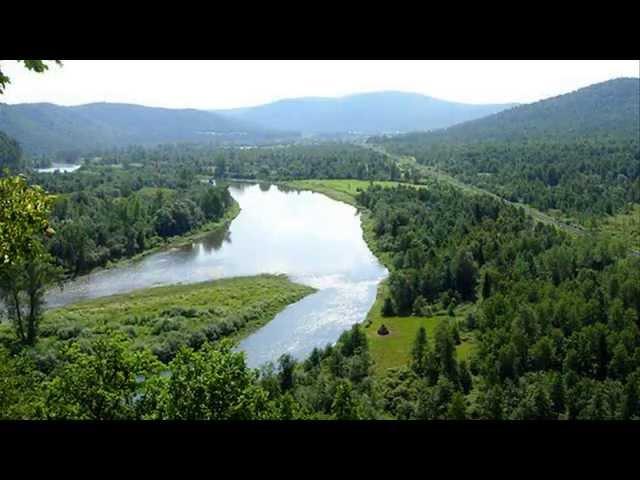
(300, 162)
(214, 383)
(10, 153)
(333, 383)
(103, 214)
(557, 319)
(591, 177)
(281, 162)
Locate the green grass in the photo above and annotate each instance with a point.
(341, 190)
(394, 349)
(153, 191)
(154, 316)
(624, 226)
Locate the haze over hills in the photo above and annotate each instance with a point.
(609, 108)
(369, 113)
(48, 128)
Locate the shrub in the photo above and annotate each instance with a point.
(196, 340)
(69, 332)
(165, 325)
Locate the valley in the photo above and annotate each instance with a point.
(483, 267)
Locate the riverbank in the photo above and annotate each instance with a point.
(179, 240)
(165, 318)
(394, 349)
(346, 191)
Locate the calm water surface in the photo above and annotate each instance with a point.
(311, 238)
(61, 167)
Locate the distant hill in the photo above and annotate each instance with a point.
(368, 113)
(48, 128)
(607, 108)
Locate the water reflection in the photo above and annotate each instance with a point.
(313, 239)
(59, 167)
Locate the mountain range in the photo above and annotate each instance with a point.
(366, 113)
(607, 108)
(48, 128)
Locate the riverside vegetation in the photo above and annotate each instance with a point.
(488, 313)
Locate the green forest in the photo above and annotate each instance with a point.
(514, 318)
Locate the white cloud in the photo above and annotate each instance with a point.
(228, 84)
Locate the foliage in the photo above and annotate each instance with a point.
(164, 319)
(24, 211)
(34, 65)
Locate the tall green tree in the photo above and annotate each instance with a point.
(419, 351)
(102, 382)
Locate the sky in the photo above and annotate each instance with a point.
(220, 84)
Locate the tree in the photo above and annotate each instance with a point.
(20, 387)
(457, 407)
(420, 306)
(102, 382)
(445, 351)
(418, 352)
(10, 153)
(542, 353)
(631, 403)
(486, 285)
(455, 333)
(466, 274)
(400, 288)
(387, 308)
(286, 366)
(37, 66)
(24, 210)
(213, 383)
(211, 204)
(344, 406)
(620, 364)
(466, 381)
(22, 288)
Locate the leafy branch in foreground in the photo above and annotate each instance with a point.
(37, 66)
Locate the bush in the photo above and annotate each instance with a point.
(212, 332)
(383, 330)
(69, 332)
(167, 350)
(196, 340)
(165, 325)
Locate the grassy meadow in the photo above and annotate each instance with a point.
(164, 318)
(394, 349)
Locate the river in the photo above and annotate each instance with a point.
(311, 238)
(59, 167)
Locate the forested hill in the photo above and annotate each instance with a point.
(49, 128)
(9, 152)
(369, 113)
(608, 108)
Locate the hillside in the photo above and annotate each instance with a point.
(574, 155)
(607, 108)
(9, 152)
(369, 113)
(48, 128)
